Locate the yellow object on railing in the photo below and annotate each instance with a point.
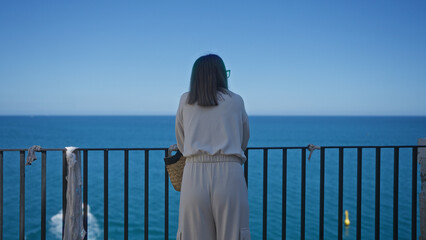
(347, 222)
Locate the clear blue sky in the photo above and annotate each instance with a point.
(286, 57)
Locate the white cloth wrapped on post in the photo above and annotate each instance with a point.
(73, 228)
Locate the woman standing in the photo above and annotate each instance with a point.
(212, 132)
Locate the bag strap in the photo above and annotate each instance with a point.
(173, 159)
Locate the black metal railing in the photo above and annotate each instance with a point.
(359, 158)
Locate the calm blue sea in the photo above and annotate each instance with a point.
(158, 131)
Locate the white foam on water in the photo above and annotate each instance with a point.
(92, 222)
(56, 225)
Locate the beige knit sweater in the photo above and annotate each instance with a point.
(221, 129)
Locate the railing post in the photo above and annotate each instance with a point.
(146, 195)
(166, 200)
(422, 195)
(126, 194)
(265, 193)
(377, 198)
(85, 191)
(105, 194)
(322, 174)
(43, 195)
(303, 197)
(64, 189)
(22, 197)
(395, 191)
(414, 195)
(246, 167)
(284, 197)
(358, 193)
(340, 198)
(1, 195)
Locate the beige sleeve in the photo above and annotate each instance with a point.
(180, 137)
(246, 132)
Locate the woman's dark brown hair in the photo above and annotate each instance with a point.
(208, 77)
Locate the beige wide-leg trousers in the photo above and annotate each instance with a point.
(213, 200)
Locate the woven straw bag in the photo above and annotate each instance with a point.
(174, 166)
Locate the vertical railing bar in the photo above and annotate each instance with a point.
(166, 200)
(395, 191)
(340, 204)
(284, 196)
(322, 173)
(246, 167)
(303, 197)
(43, 195)
(265, 191)
(22, 197)
(1, 195)
(64, 188)
(146, 194)
(126, 194)
(106, 194)
(358, 193)
(85, 191)
(414, 196)
(377, 207)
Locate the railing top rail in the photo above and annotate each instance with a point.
(249, 148)
(89, 149)
(348, 146)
